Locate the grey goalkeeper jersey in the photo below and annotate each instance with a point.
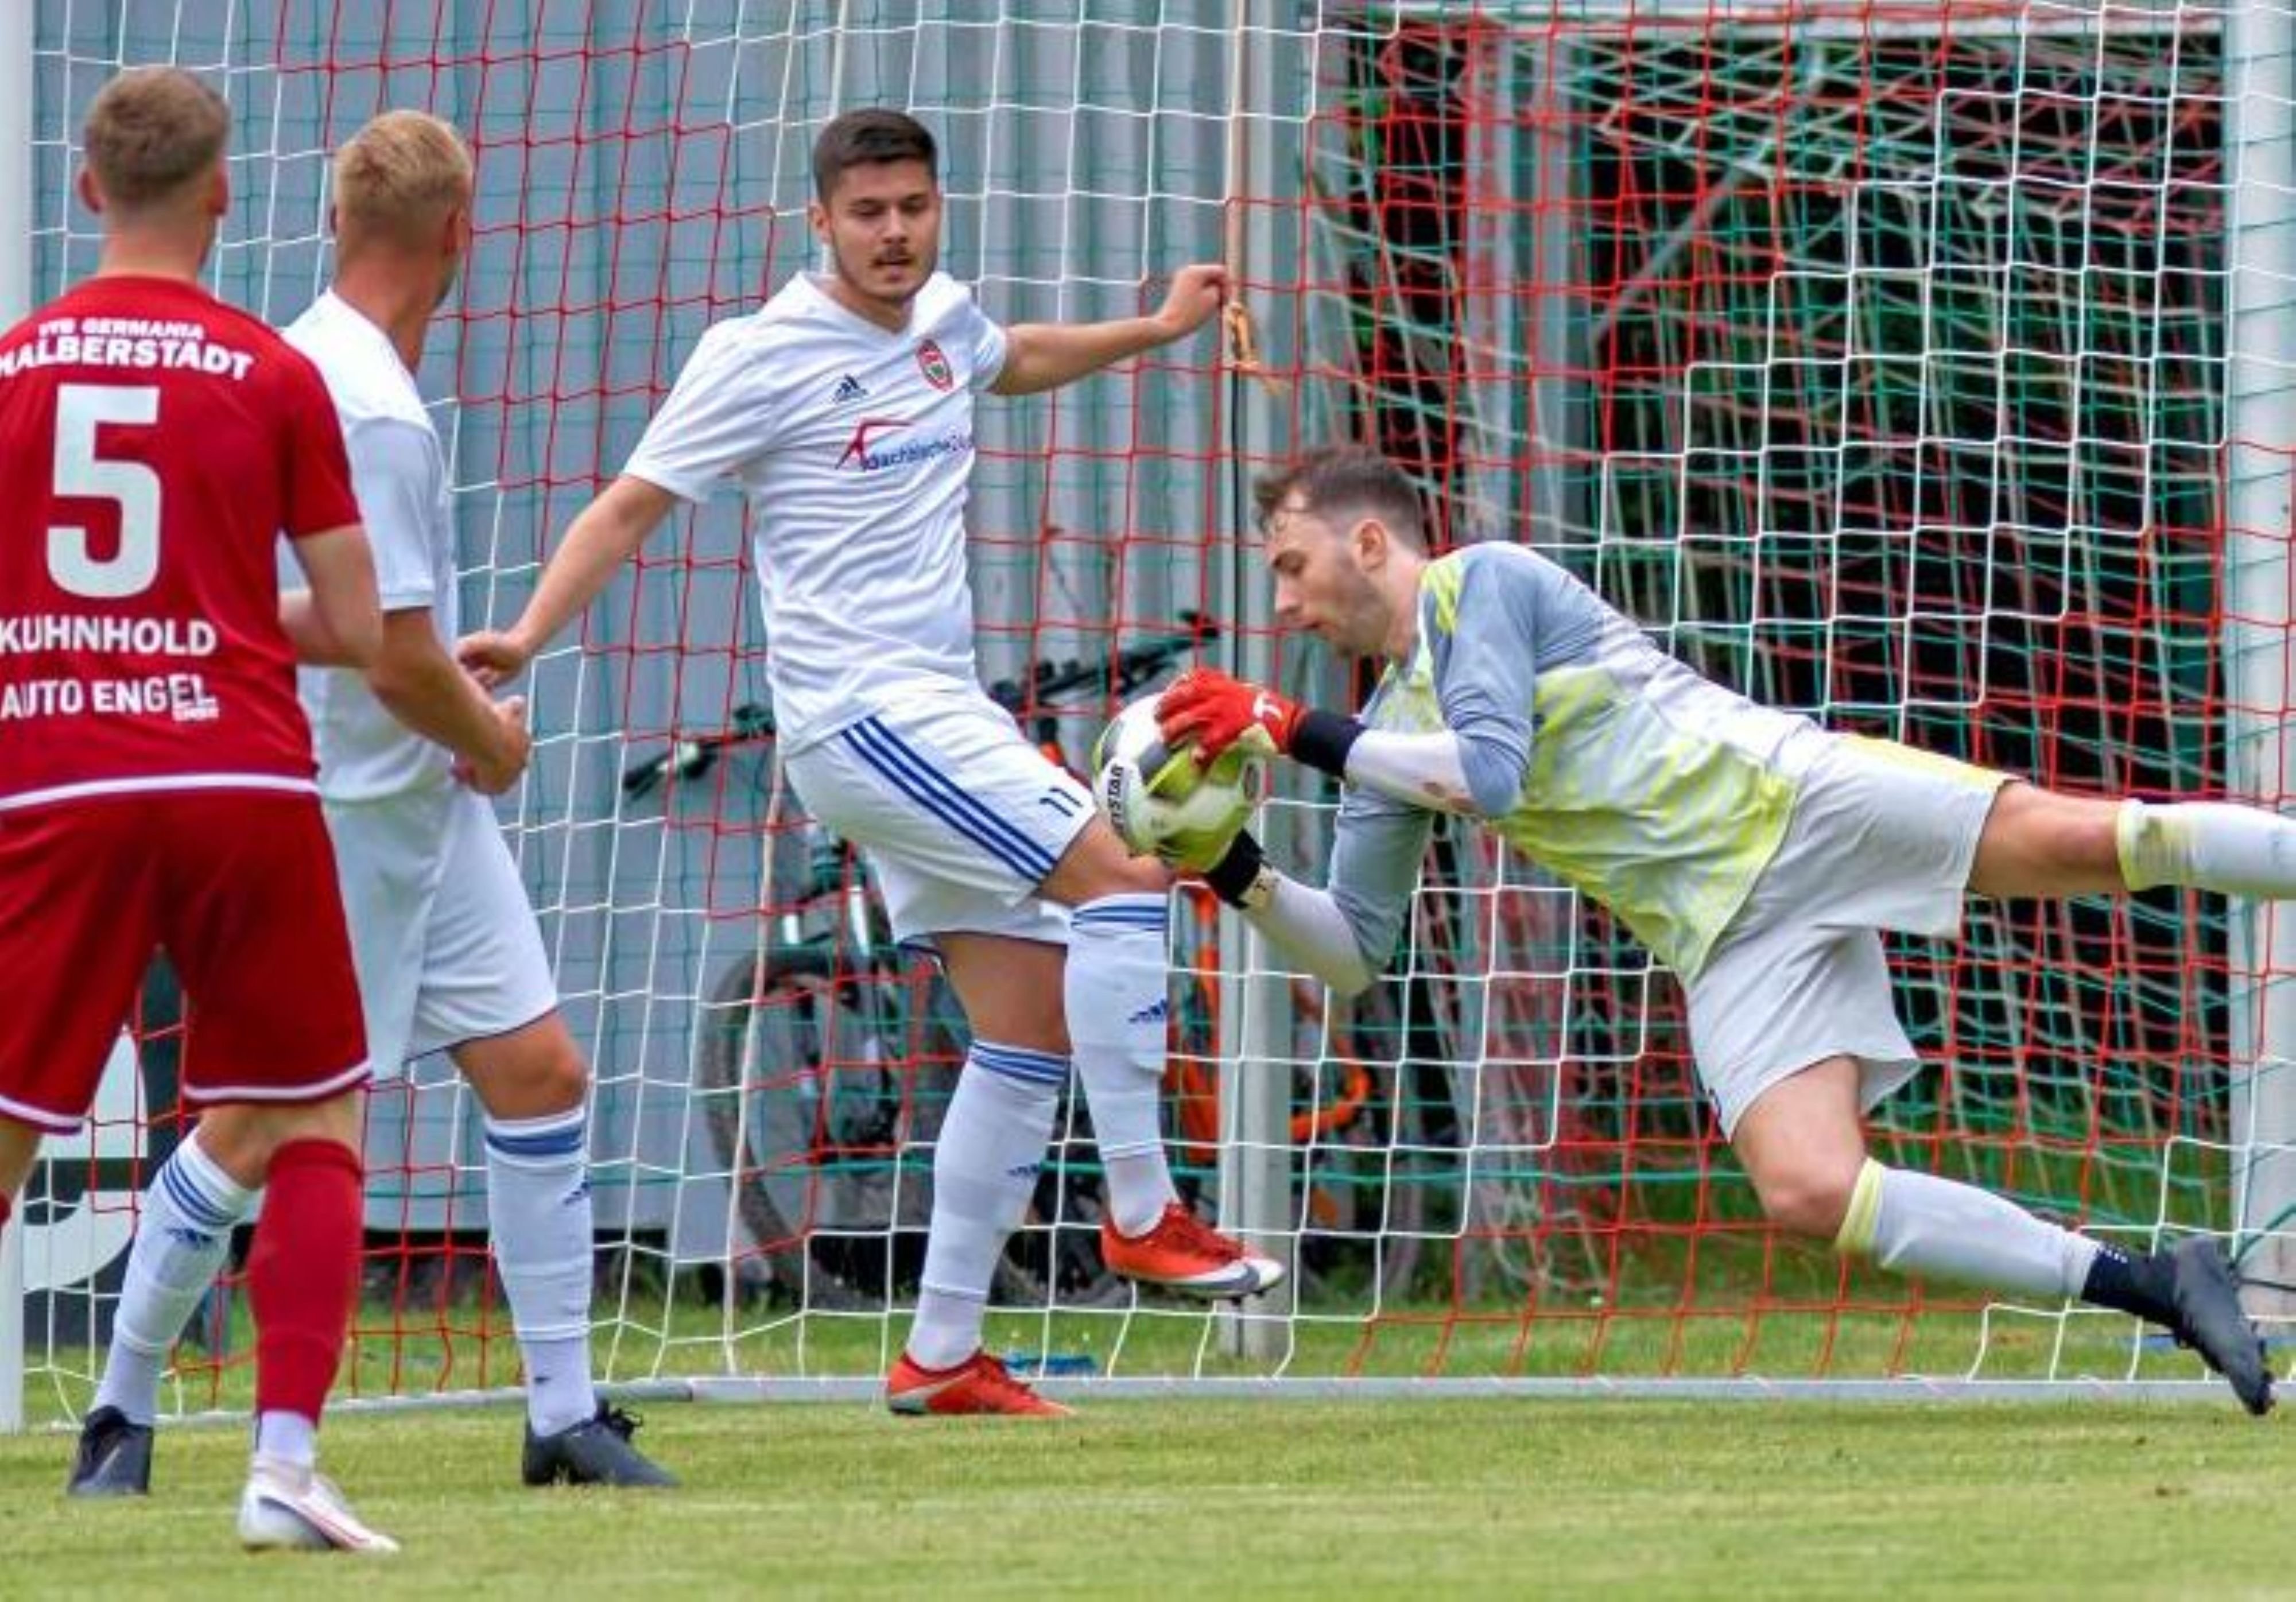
(1631, 777)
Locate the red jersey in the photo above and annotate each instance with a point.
(155, 443)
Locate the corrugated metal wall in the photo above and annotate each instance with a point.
(644, 172)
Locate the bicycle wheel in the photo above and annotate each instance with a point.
(804, 1080)
(820, 1087)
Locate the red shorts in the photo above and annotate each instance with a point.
(239, 886)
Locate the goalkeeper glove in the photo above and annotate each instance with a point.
(1211, 711)
(1208, 708)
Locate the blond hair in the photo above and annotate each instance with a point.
(398, 177)
(150, 134)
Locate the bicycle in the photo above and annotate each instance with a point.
(862, 1045)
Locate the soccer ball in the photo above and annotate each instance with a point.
(1160, 803)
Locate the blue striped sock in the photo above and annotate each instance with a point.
(985, 1163)
(183, 1235)
(1118, 999)
(539, 1213)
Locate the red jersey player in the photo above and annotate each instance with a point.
(155, 768)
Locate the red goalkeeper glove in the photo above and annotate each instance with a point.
(1215, 711)
(1212, 711)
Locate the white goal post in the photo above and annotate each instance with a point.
(16, 28)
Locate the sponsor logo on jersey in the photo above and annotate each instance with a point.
(933, 365)
(867, 433)
(128, 342)
(864, 452)
(849, 390)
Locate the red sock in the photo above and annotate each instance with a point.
(303, 1274)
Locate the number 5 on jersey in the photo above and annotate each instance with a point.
(80, 410)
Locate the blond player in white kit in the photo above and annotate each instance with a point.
(448, 954)
(844, 407)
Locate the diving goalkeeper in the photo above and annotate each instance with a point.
(1757, 854)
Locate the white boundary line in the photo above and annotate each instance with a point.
(861, 1392)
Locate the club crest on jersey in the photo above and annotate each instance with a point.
(933, 365)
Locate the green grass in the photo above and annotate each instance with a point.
(1368, 1497)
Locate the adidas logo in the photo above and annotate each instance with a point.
(849, 390)
(1155, 1012)
(1024, 1171)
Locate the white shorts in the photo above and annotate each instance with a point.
(444, 941)
(1884, 837)
(959, 816)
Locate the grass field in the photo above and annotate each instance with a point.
(1376, 1496)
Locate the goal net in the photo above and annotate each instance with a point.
(1913, 367)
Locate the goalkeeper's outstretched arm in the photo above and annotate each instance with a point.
(1344, 934)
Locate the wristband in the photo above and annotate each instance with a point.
(1322, 739)
(1243, 878)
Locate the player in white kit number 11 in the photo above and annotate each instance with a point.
(844, 407)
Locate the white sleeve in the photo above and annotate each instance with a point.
(719, 415)
(1423, 770)
(984, 340)
(1309, 926)
(396, 475)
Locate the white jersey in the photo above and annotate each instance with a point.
(855, 444)
(399, 472)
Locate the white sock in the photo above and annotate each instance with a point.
(287, 1436)
(1118, 999)
(984, 1166)
(2207, 845)
(1912, 1223)
(182, 1238)
(538, 1205)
